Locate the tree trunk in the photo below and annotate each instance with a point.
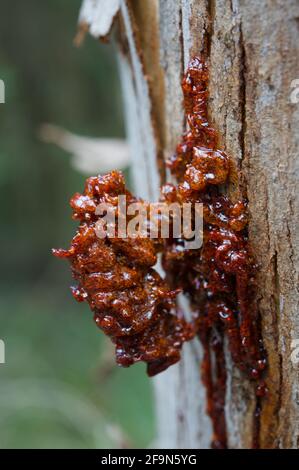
(252, 47)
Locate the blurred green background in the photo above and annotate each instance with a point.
(58, 387)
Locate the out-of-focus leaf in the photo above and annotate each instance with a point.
(89, 155)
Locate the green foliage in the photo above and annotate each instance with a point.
(58, 388)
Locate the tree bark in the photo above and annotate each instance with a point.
(252, 48)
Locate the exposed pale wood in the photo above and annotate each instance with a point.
(253, 53)
(98, 15)
(142, 127)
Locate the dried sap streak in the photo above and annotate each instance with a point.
(130, 301)
(219, 278)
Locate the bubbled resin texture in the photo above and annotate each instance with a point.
(219, 277)
(130, 301)
(136, 308)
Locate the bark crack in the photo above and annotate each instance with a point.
(210, 26)
(242, 98)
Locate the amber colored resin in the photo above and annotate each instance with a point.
(219, 277)
(131, 302)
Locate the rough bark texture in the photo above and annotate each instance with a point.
(253, 49)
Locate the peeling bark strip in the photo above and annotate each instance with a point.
(253, 48)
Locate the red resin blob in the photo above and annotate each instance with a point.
(131, 302)
(219, 277)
